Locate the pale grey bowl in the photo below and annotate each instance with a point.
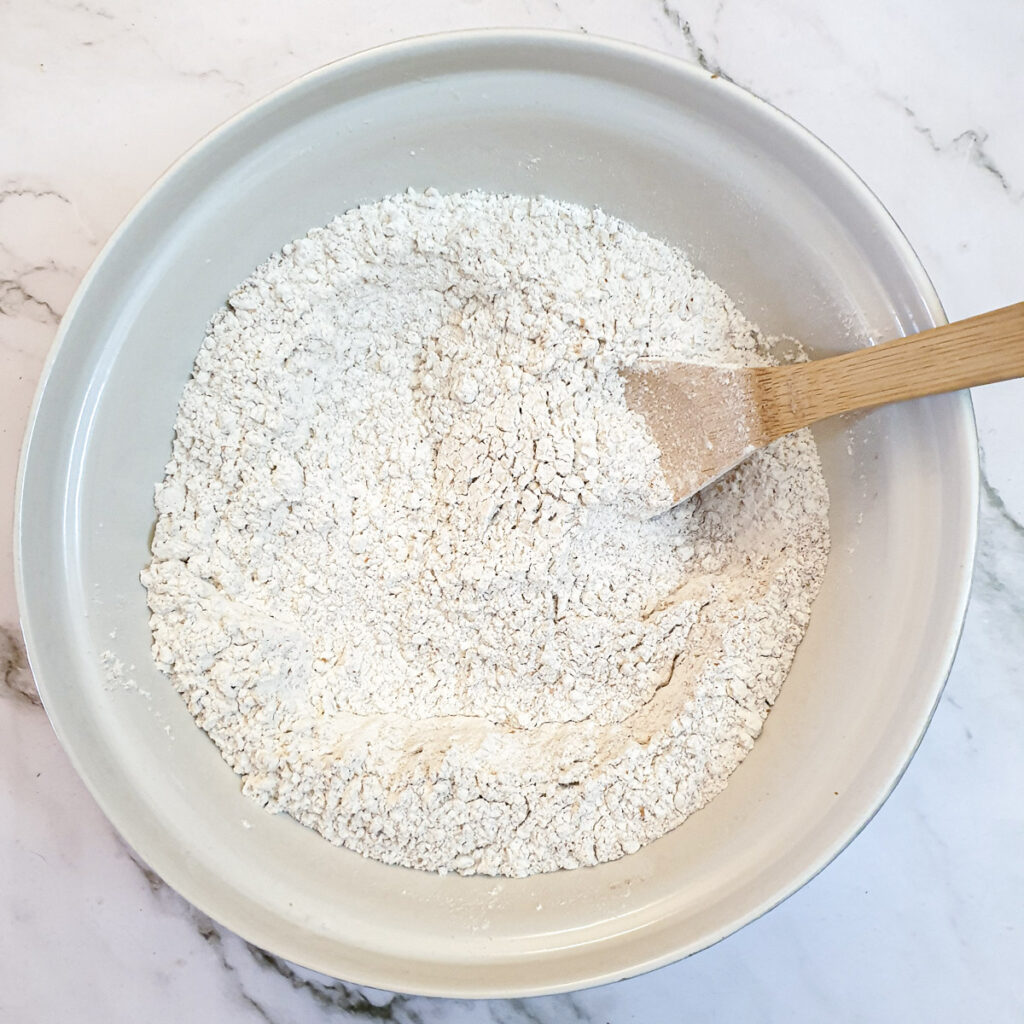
(766, 210)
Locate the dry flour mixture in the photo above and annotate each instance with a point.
(406, 571)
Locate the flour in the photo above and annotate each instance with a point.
(406, 571)
(114, 674)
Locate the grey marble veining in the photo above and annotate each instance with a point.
(922, 918)
(694, 49)
(999, 568)
(15, 676)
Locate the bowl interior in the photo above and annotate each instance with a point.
(759, 205)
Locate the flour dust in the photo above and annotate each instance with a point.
(407, 571)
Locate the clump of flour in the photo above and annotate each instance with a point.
(405, 572)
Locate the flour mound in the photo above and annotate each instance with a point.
(407, 572)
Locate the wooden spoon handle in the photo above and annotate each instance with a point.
(980, 350)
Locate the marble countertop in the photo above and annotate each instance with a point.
(922, 918)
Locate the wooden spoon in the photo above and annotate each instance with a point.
(707, 419)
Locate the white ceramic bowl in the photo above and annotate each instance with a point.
(767, 211)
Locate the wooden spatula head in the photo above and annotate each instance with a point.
(705, 419)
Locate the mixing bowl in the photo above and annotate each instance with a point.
(760, 205)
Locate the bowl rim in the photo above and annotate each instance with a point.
(420, 45)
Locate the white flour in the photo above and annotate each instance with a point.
(404, 571)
